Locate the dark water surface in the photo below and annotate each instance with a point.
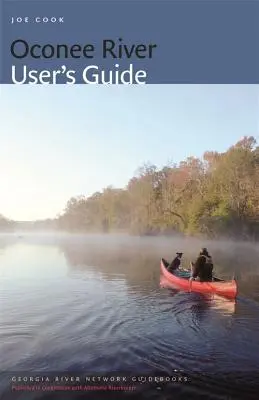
(93, 305)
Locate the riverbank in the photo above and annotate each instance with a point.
(215, 196)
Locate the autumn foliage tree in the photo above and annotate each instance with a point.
(215, 196)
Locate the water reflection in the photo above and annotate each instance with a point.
(206, 300)
(137, 260)
(138, 268)
(95, 304)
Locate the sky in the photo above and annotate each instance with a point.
(61, 141)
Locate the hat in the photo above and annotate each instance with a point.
(204, 252)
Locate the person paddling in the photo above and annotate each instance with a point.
(175, 264)
(203, 267)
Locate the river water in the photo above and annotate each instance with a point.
(93, 305)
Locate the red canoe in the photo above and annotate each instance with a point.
(219, 287)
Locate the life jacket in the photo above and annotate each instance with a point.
(209, 263)
(208, 259)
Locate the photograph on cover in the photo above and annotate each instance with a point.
(129, 236)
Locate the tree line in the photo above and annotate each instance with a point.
(215, 196)
(6, 225)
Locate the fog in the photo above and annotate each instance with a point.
(136, 260)
(238, 256)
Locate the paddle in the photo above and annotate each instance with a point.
(190, 280)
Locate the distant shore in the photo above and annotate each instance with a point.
(214, 197)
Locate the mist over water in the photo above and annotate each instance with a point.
(93, 303)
